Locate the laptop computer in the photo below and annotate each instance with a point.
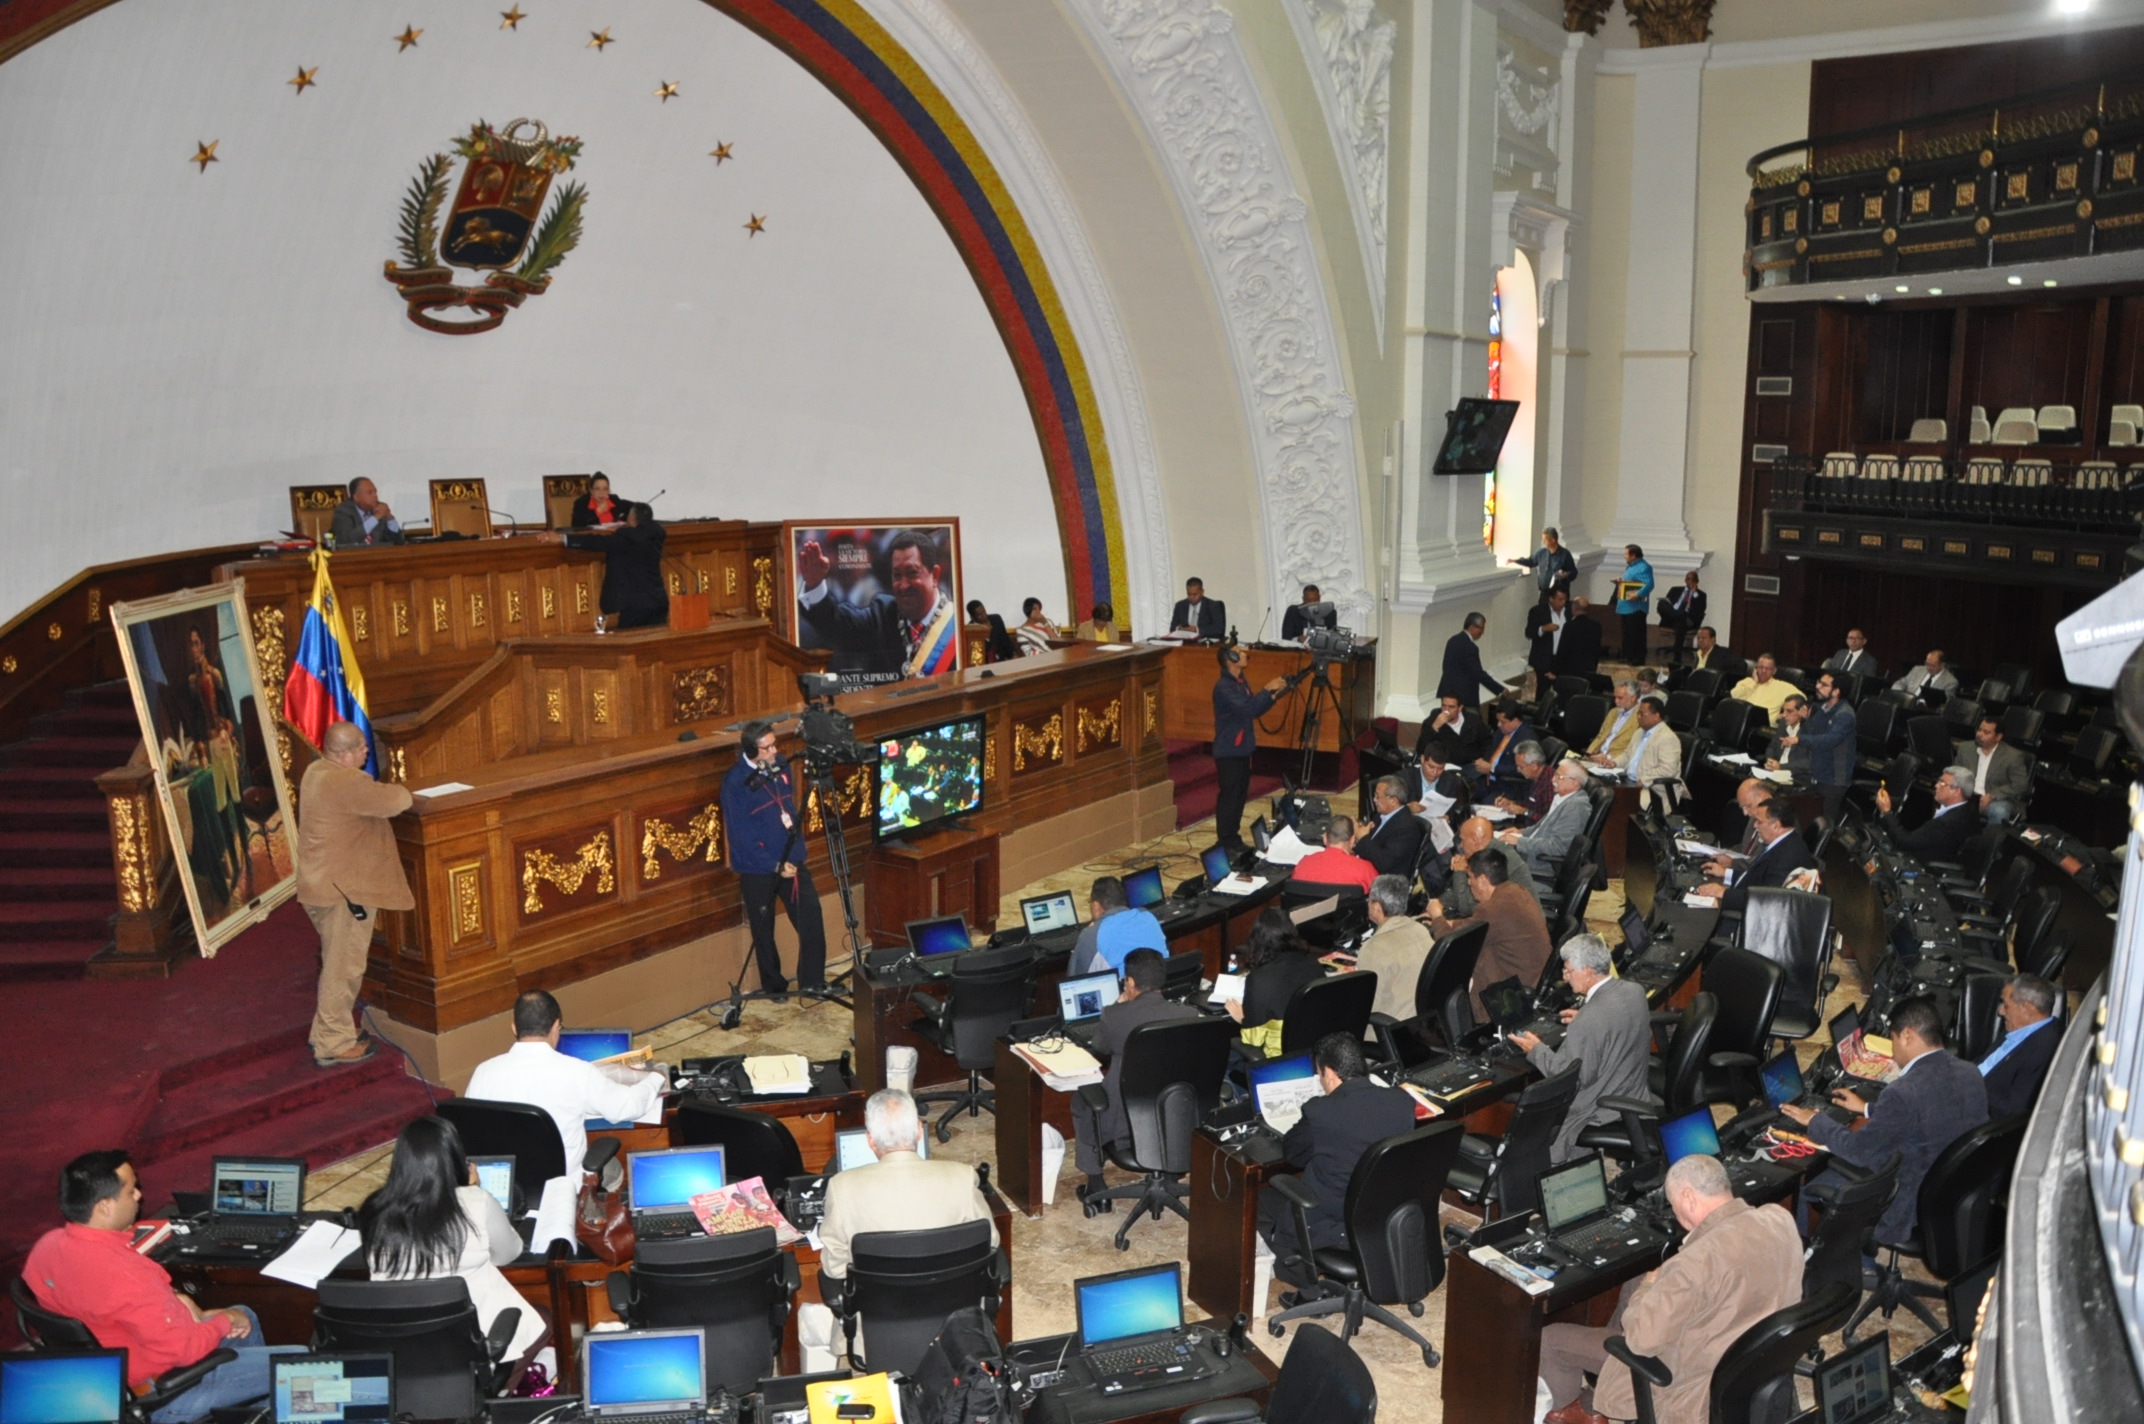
(1261, 836)
(1854, 1386)
(496, 1176)
(660, 1187)
(1574, 1206)
(334, 1389)
(947, 934)
(1080, 1001)
(253, 1203)
(1784, 1086)
(1280, 1087)
(592, 1045)
(63, 1387)
(1131, 1329)
(1689, 1135)
(852, 1148)
(1047, 914)
(1217, 865)
(1636, 932)
(645, 1374)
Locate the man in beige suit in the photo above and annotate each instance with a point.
(347, 870)
(900, 1191)
(1612, 743)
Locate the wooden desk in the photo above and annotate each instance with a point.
(1223, 1246)
(1615, 831)
(1190, 672)
(1025, 1103)
(1492, 1333)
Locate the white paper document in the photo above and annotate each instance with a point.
(444, 788)
(1238, 884)
(785, 1073)
(1734, 758)
(1492, 814)
(1286, 847)
(1227, 987)
(554, 1215)
(319, 1249)
(1281, 1104)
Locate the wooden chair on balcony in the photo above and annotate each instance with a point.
(559, 493)
(461, 507)
(312, 509)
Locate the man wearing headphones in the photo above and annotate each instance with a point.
(759, 810)
(1236, 710)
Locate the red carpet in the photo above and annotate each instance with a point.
(57, 891)
(1196, 790)
(211, 1060)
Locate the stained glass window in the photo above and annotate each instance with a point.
(1496, 391)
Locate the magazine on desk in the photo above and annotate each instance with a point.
(742, 1206)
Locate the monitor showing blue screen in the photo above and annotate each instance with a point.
(1281, 1070)
(942, 936)
(1689, 1135)
(84, 1388)
(1128, 1303)
(1143, 887)
(592, 1044)
(662, 1180)
(1783, 1079)
(324, 1389)
(632, 1370)
(1216, 862)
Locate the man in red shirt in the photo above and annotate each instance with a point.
(90, 1270)
(1336, 864)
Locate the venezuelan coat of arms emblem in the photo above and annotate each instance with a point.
(495, 223)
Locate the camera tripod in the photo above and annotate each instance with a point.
(1322, 695)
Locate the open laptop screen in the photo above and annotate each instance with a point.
(591, 1045)
(1261, 835)
(948, 935)
(646, 1371)
(1143, 887)
(1043, 913)
(1689, 1135)
(496, 1176)
(1845, 1028)
(334, 1389)
(1216, 864)
(1635, 931)
(1280, 1087)
(256, 1187)
(1574, 1192)
(1142, 1301)
(660, 1181)
(1782, 1079)
(852, 1148)
(1082, 1000)
(70, 1387)
(1854, 1387)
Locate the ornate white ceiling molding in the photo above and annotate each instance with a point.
(1521, 220)
(1528, 100)
(965, 75)
(1347, 47)
(1181, 65)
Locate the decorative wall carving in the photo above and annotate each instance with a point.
(1153, 711)
(697, 694)
(1527, 100)
(1586, 16)
(540, 867)
(550, 601)
(1348, 47)
(440, 616)
(763, 587)
(398, 765)
(1182, 65)
(476, 610)
(704, 829)
(513, 605)
(853, 795)
(401, 612)
(1044, 741)
(990, 757)
(599, 707)
(360, 622)
(465, 896)
(133, 851)
(268, 632)
(1101, 725)
(554, 705)
(580, 598)
(1670, 22)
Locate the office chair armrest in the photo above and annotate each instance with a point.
(501, 1333)
(792, 1278)
(1001, 1267)
(834, 1294)
(1295, 1189)
(1095, 1095)
(173, 1383)
(1849, 1171)
(1943, 867)
(1645, 1367)
(602, 1151)
(619, 1287)
(1665, 1018)
(929, 1005)
(1732, 1060)
(1981, 964)
(1637, 1107)
(1378, 1020)
(1977, 921)
(1220, 1411)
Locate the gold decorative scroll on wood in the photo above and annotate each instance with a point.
(705, 829)
(539, 867)
(1100, 725)
(1045, 741)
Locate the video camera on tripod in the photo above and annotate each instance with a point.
(829, 736)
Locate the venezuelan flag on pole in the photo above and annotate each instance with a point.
(325, 685)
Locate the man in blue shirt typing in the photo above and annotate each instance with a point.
(759, 811)
(1113, 930)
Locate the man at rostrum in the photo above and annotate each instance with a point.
(1610, 1037)
(759, 810)
(1738, 1264)
(1196, 613)
(572, 1092)
(1236, 710)
(1139, 1003)
(1327, 1142)
(1517, 945)
(364, 518)
(347, 871)
(2015, 1067)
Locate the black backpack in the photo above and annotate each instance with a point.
(963, 1377)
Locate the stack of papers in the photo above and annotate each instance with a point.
(1227, 987)
(1491, 813)
(1286, 847)
(779, 1073)
(1734, 758)
(1066, 1067)
(1689, 847)
(1238, 884)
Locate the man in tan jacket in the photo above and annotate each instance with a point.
(1739, 1264)
(1517, 945)
(347, 870)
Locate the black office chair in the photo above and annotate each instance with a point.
(902, 1285)
(1963, 1201)
(49, 1330)
(1322, 1381)
(1987, 930)
(445, 1365)
(1182, 975)
(1842, 1232)
(1685, 710)
(988, 992)
(1792, 928)
(1732, 723)
(1443, 1008)
(1929, 738)
(527, 1134)
(1747, 986)
(737, 1288)
(1705, 682)
(2034, 932)
(1570, 917)
(1582, 718)
(1170, 1081)
(1504, 1172)
(1337, 1003)
(1979, 1025)
(1675, 1080)
(1393, 1254)
(1753, 1383)
(754, 1144)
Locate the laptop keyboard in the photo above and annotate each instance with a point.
(1598, 1239)
(1139, 1366)
(241, 1232)
(661, 1225)
(1447, 1079)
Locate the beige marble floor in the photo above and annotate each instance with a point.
(1050, 1252)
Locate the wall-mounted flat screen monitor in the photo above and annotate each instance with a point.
(1474, 434)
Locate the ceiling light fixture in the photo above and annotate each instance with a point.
(1935, 291)
(1902, 287)
(2014, 280)
(2050, 282)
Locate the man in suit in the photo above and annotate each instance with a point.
(1398, 946)
(1709, 652)
(1327, 1142)
(769, 852)
(1517, 945)
(1943, 835)
(1935, 1098)
(1619, 729)
(1580, 655)
(912, 632)
(1552, 564)
(1432, 774)
(364, 518)
(1684, 609)
(1236, 710)
(1545, 631)
(634, 594)
(1476, 835)
(1394, 843)
(1819, 740)
(1295, 620)
(2001, 774)
(1782, 853)
(1499, 765)
(1854, 659)
(1196, 613)
(1537, 783)
(1655, 761)
(1544, 843)
(1610, 1038)
(899, 1192)
(1930, 676)
(1463, 675)
(1093, 1130)
(2016, 1066)
(1457, 733)
(347, 868)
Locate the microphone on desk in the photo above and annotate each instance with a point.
(1262, 625)
(657, 495)
(492, 513)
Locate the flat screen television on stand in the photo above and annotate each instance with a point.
(928, 776)
(1474, 434)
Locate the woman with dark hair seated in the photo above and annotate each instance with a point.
(430, 1219)
(1275, 963)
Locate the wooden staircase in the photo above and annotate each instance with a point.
(58, 891)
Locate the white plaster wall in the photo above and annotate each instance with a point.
(1609, 235)
(176, 348)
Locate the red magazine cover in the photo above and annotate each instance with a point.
(742, 1206)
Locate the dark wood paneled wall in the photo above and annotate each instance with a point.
(1874, 89)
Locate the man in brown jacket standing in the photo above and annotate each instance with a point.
(347, 869)
(1738, 1264)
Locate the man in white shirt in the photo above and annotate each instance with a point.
(533, 1071)
(1855, 657)
(1931, 673)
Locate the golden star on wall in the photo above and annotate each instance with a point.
(511, 19)
(305, 78)
(205, 154)
(667, 92)
(756, 226)
(599, 38)
(720, 153)
(409, 36)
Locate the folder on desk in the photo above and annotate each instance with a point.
(783, 1073)
(1064, 1068)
